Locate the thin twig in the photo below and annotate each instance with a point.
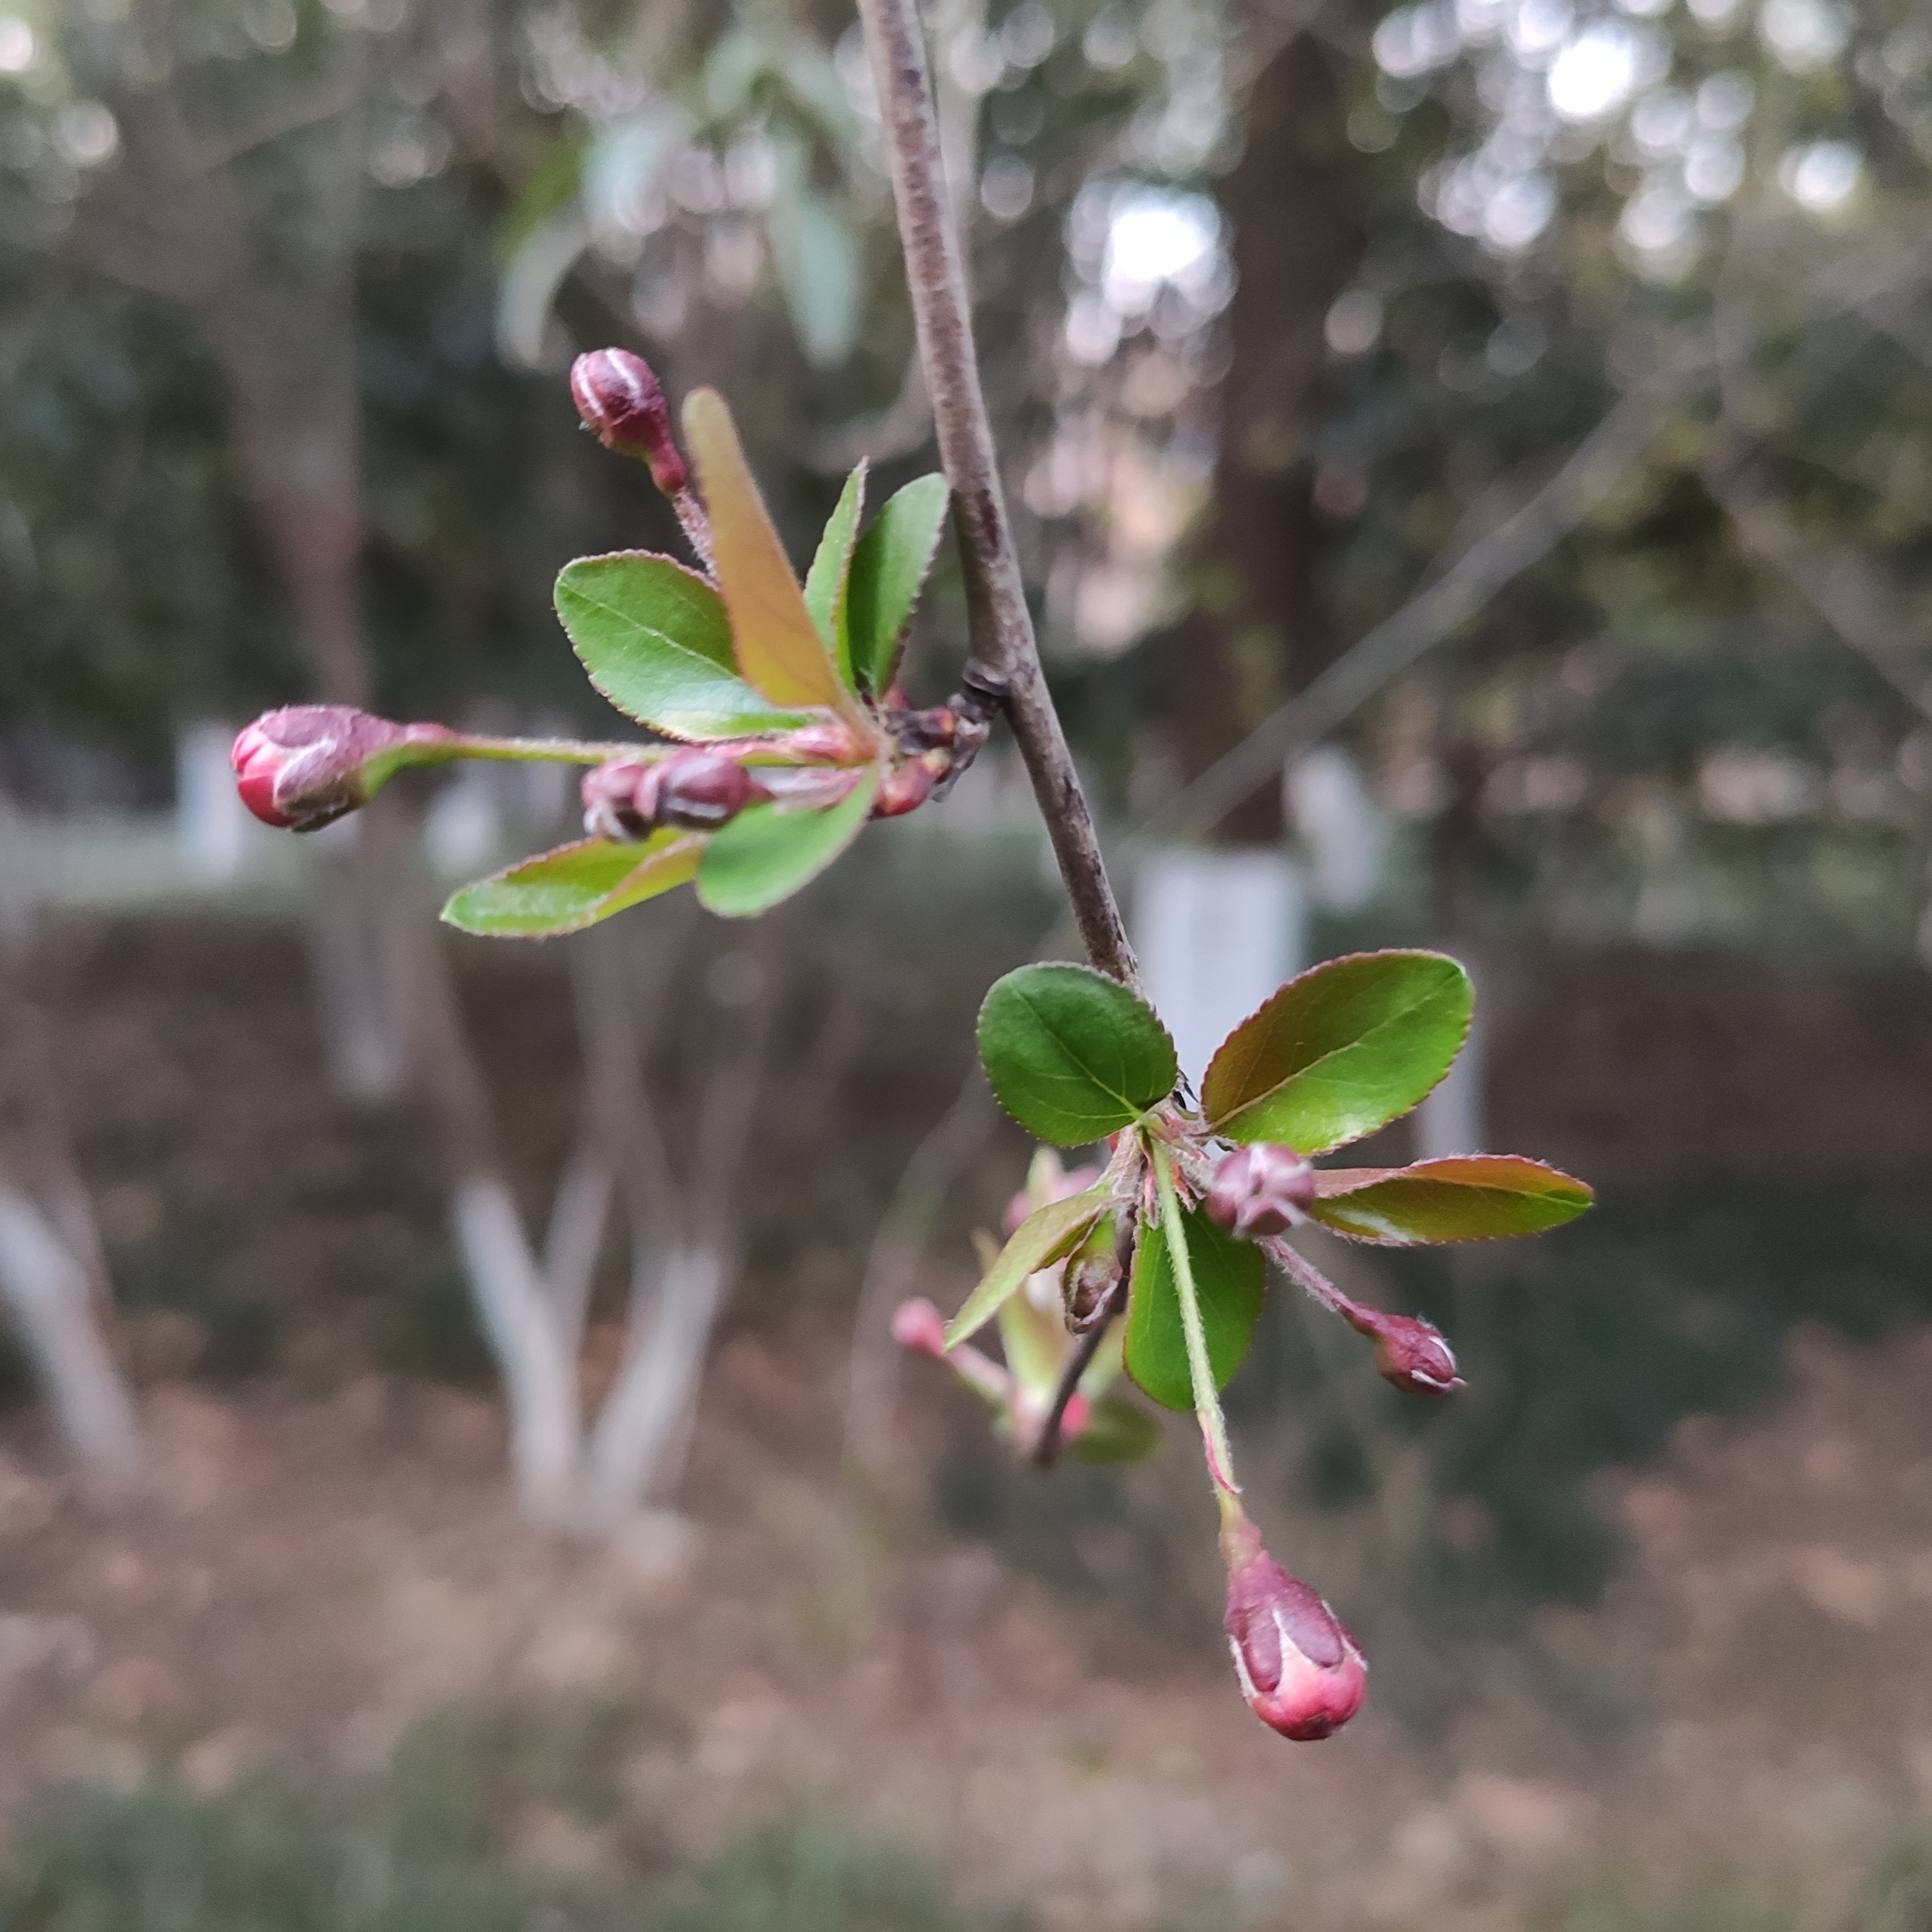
(1004, 664)
(1046, 1445)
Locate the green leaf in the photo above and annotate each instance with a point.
(657, 642)
(1228, 1277)
(1071, 1054)
(1044, 1236)
(888, 570)
(765, 854)
(1469, 1198)
(575, 886)
(1341, 1050)
(779, 651)
(825, 582)
(1118, 1430)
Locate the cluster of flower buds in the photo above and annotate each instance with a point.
(1261, 1190)
(305, 766)
(1298, 1668)
(691, 788)
(939, 743)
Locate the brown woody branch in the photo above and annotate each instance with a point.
(1003, 667)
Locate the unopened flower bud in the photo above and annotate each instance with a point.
(918, 1328)
(693, 789)
(1411, 1354)
(1260, 1190)
(904, 790)
(1299, 1670)
(617, 395)
(305, 766)
(1094, 1269)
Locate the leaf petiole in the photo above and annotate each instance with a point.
(1201, 1373)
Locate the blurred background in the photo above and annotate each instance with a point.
(1472, 464)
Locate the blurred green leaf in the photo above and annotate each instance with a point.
(1473, 1197)
(765, 854)
(656, 641)
(575, 886)
(1046, 1235)
(818, 260)
(826, 595)
(1118, 1430)
(1071, 1054)
(1228, 1278)
(1339, 1051)
(553, 185)
(890, 569)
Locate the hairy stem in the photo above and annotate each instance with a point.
(1200, 1369)
(1004, 665)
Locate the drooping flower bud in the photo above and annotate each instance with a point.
(617, 395)
(303, 767)
(691, 788)
(1411, 1354)
(1299, 1670)
(1261, 1190)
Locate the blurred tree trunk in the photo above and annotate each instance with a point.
(1254, 634)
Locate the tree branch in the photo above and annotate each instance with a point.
(1004, 664)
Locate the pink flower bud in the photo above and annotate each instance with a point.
(305, 766)
(691, 788)
(698, 789)
(903, 790)
(1299, 1670)
(1261, 1190)
(617, 395)
(917, 1328)
(1411, 1354)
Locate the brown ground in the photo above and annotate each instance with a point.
(326, 1554)
(309, 1576)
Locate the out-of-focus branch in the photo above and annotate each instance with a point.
(1837, 583)
(1593, 469)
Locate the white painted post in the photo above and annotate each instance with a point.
(212, 822)
(1216, 933)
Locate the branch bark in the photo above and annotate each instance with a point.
(1004, 666)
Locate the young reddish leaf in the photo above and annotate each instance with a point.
(780, 652)
(657, 642)
(1340, 1051)
(1469, 1198)
(888, 570)
(1044, 1237)
(767, 853)
(575, 886)
(1228, 1277)
(1117, 1429)
(1071, 1054)
(825, 581)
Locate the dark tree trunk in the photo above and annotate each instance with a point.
(1255, 634)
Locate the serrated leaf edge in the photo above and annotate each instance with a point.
(1219, 1126)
